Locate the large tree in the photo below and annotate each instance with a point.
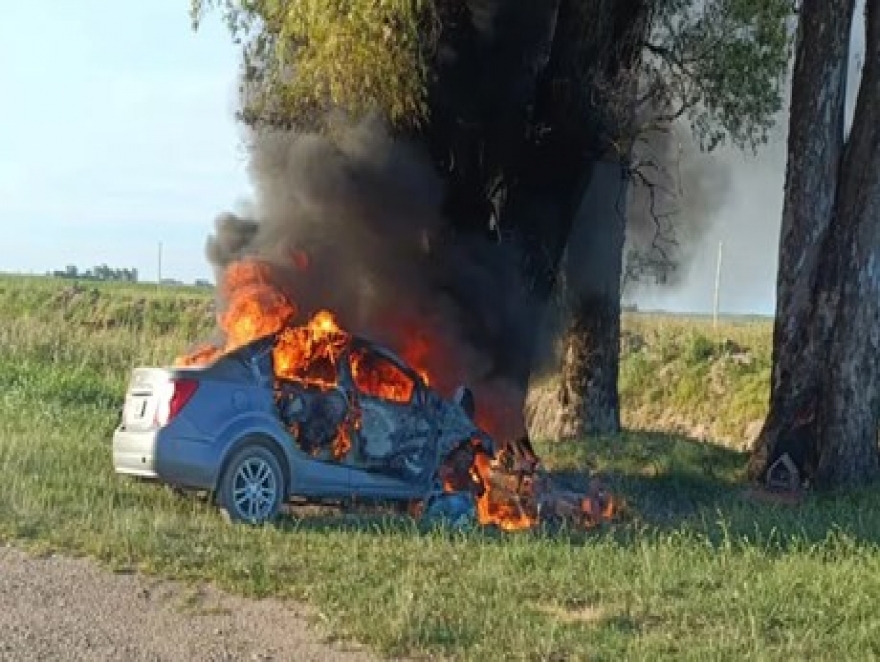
(717, 64)
(825, 390)
(524, 107)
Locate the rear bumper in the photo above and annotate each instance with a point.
(166, 455)
(134, 453)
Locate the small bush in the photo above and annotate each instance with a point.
(700, 349)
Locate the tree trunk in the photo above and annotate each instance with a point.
(589, 293)
(550, 74)
(849, 417)
(591, 268)
(815, 148)
(827, 336)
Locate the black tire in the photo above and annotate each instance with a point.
(252, 486)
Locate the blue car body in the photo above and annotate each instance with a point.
(181, 426)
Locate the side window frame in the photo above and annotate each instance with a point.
(415, 395)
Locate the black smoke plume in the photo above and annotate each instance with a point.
(365, 209)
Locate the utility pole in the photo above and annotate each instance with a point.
(717, 286)
(159, 272)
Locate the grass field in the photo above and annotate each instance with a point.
(695, 570)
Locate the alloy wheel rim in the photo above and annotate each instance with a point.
(254, 489)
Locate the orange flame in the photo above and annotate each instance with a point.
(254, 308)
(416, 351)
(201, 356)
(507, 514)
(310, 353)
(380, 378)
(512, 492)
(342, 443)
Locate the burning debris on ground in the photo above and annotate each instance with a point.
(514, 491)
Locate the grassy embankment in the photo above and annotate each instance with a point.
(696, 570)
(683, 376)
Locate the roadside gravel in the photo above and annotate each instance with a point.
(59, 608)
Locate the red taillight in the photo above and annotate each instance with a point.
(181, 392)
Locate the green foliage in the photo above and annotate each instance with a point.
(721, 63)
(303, 57)
(700, 349)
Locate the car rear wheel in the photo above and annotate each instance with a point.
(252, 486)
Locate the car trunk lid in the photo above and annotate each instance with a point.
(154, 396)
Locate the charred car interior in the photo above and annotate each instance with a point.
(356, 403)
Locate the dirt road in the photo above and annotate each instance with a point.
(59, 608)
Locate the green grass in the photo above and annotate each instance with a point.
(681, 375)
(694, 570)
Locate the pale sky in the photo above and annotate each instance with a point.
(116, 132)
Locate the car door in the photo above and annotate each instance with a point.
(393, 433)
(298, 399)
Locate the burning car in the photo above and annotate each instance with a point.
(309, 411)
